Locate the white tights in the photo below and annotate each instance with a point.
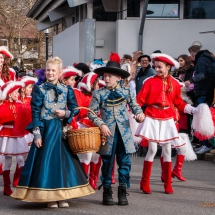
(152, 149)
(8, 161)
(181, 151)
(90, 157)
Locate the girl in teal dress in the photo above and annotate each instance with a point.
(51, 172)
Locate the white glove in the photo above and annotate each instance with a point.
(189, 109)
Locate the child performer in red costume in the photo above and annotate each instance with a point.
(6, 74)
(160, 93)
(12, 141)
(25, 98)
(69, 75)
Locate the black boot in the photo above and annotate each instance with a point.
(122, 200)
(107, 196)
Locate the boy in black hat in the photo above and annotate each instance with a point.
(111, 101)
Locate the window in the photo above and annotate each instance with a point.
(99, 12)
(194, 9)
(133, 8)
(163, 9)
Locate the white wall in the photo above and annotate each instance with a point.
(69, 44)
(106, 31)
(172, 37)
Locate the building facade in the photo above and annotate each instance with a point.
(85, 30)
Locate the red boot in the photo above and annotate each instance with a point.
(17, 176)
(85, 167)
(6, 177)
(177, 171)
(1, 171)
(113, 172)
(98, 165)
(92, 176)
(167, 167)
(145, 181)
(162, 173)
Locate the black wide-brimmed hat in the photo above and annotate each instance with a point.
(112, 67)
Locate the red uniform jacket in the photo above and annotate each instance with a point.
(155, 92)
(83, 100)
(15, 128)
(6, 116)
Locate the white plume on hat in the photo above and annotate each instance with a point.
(87, 81)
(8, 86)
(5, 51)
(29, 80)
(71, 69)
(165, 58)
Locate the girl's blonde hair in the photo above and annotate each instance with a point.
(55, 60)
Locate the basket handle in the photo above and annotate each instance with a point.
(78, 108)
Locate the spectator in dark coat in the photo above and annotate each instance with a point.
(204, 77)
(144, 72)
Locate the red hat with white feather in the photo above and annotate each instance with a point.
(4, 50)
(9, 87)
(28, 80)
(87, 81)
(165, 58)
(70, 71)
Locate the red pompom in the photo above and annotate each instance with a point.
(202, 137)
(114, 57)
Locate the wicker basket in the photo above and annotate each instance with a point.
(84, 140)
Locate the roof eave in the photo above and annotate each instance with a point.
(34, 8)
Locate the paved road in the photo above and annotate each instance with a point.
(190, 198)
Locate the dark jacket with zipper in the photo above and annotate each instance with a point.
(204, 75)
(142, 75)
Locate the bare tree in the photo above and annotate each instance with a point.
(24, 40)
